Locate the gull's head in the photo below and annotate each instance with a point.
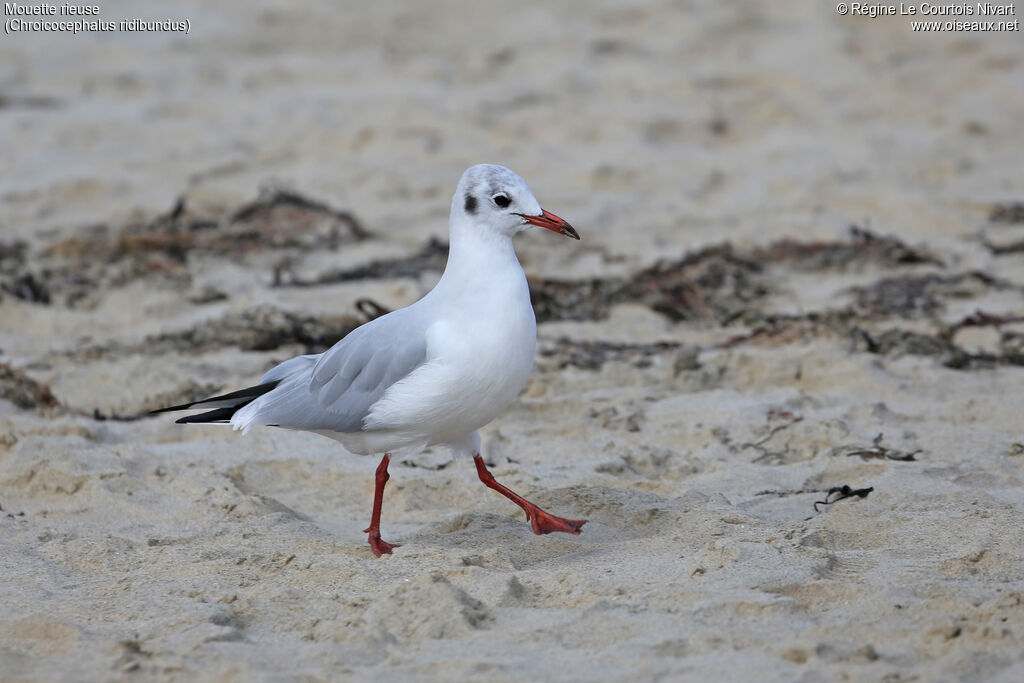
(494, 198)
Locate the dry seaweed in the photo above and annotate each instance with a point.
(15, 277)
(876, 451)
(712, 284)
(191, 391)
(720, 283)
(370, 309)
(573, 299)
(263, 328)
(905, 342)
(1010, 212)
(107, 256)
(259, 329)
(980, 319)
(784, 329)
(776, 420)
(431, 257)
(864, 247)
(1004, 248)
(272, 199)
(920, 295)
(591, 355)
(23, 391)
(723, 285)
(842, 493)
(784, 493)
(277, 219)
(26, 287)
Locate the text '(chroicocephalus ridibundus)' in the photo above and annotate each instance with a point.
(430, 374)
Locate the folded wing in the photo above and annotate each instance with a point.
(355, 372)
(335, 390)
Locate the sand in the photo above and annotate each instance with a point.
(801, 268)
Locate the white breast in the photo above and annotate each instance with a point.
(480, 354)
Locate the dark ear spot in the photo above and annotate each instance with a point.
(470, 204)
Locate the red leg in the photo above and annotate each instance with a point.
(542, 522)
(378, 546)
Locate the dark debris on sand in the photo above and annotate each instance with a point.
(23, 391)
(719, 284)
(263, 328)
(189, 392)
(71, 271)
(922, 295)
(591, 355)
(715, 284)
(876, 451)
(725, 286)
(1003, 235)
(430, 258)
(17, 278)
(259, 329)
(1010, 212)
(722, 285)
(863, 248)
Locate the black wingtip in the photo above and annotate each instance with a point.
(183, 406)
(243, 396)
(218, 415)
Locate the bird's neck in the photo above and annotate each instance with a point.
(479, 259)
(476, 250)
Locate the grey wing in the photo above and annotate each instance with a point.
(291, 368)
(354, 374)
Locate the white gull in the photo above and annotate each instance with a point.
(433, 373)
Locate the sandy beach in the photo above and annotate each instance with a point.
(801, 268)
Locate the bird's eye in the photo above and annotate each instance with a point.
(501, 200)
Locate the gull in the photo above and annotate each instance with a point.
(430, 374)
